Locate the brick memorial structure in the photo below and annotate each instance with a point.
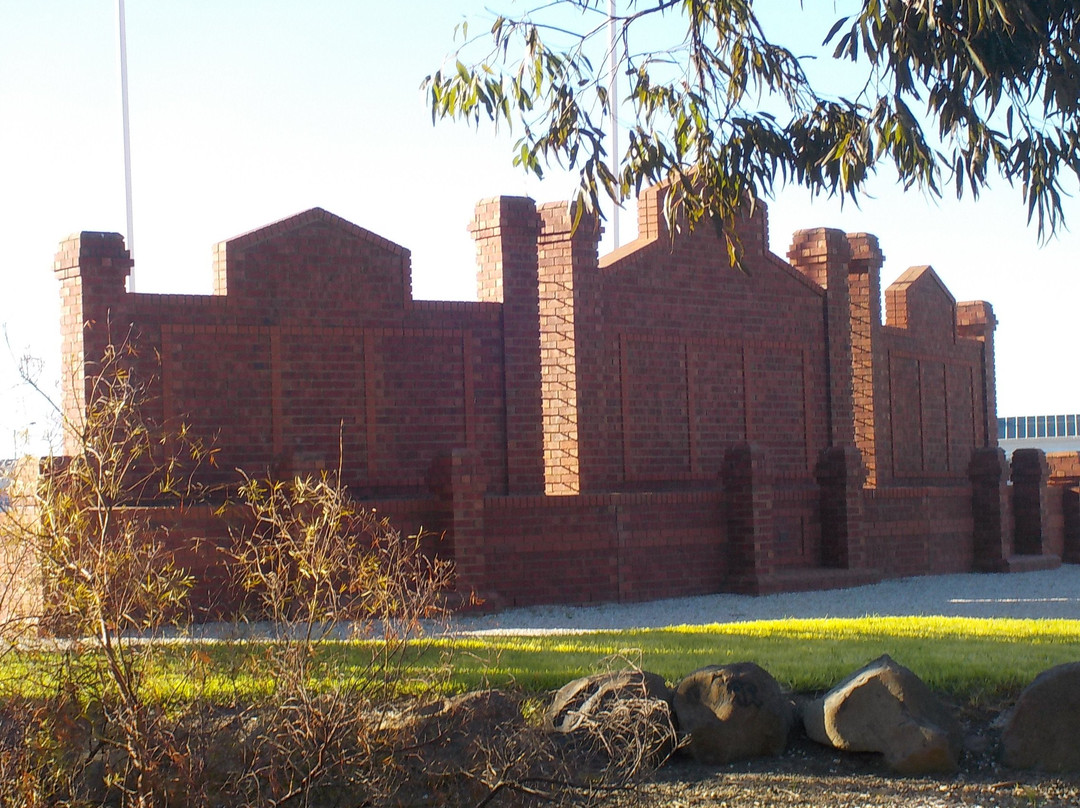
(649, 424)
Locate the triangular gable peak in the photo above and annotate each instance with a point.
(654, 237)
(313, 258)
(305, 219)
(920, 302)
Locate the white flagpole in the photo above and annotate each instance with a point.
(613, 96)
(127, 140)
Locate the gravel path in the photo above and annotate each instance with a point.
(1045, 594)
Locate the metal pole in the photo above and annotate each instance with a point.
(127, 140)
(613, 97)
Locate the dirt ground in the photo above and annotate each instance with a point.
(809, 774)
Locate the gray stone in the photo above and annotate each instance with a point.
(1043, 730)
(589, 695)
(886, 708)
(733, 712)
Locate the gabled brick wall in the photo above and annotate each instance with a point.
(312, 343)
(654, 423)
(933, 397)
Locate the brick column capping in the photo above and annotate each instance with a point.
(840, 474)
(1030, 474)
(824, 255)
(748, 489)
(990, 509)
(505, 230)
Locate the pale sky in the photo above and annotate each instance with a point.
(244, 112)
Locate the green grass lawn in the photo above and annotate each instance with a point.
(960, 656)
(969, 659)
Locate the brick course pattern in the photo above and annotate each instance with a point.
(649, 424)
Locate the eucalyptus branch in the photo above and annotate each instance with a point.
(695, 125)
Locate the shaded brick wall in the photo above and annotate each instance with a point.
(605, 547)
(919, 530)
(797, 524)
(654, 423)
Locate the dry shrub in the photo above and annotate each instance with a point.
(320, 568)
(98, 572)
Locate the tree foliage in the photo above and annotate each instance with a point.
(948, 93)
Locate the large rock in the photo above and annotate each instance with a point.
(577, 700)
(733, 712)
(886, 708)
(1043, 729)
(621, 719)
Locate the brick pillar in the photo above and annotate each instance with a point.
(565, 250)
(824, 255)
(92, 269)
(1065, 482)
(864, 290)
(23, 604)
(457, 480)
(1070, 508)
(840, 474)
(990, 509)
(505, 230)
(1030, 474)
(748, 493)
(976, 320)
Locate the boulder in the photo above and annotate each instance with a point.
(733, 712)
(886, 708)
(577, 700)
(1043, 730)
(622, 719)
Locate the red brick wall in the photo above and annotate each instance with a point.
(657, 423)
(797, 523)
(620, 547)
(200, 540)
(919, 530)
